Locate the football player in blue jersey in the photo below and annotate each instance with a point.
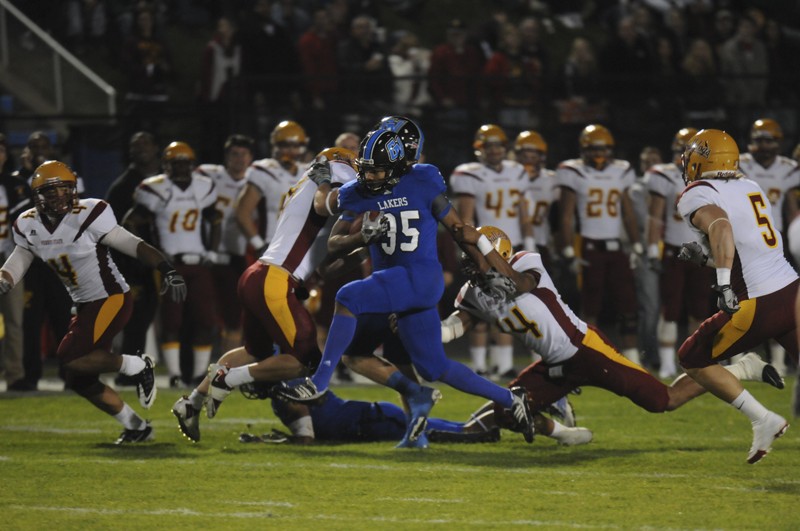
(400, 205)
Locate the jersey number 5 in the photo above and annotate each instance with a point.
(758, 204)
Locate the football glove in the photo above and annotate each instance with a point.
(498, 286)
(727, 301)
(373, 229)
(320, 172)
(174, 284)
(693, 252)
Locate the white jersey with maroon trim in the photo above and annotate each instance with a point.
(782, 176)
(759, 266)
(178, 213)
(74, 249)
(540, 195)
(497, 194)
(598, 195)
(539, 318)
(300, 243)
(273, 181)
(666, 180)
(232, 239)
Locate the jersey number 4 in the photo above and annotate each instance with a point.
(63, 267)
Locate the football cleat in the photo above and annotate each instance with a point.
(521, 411)
(136, 436)
(188, 418)
(574, 436)
(421, 442)
(146, 383)
(562, 410)
(765, 430)
(420, 405)
(218, 390)
(299, 390)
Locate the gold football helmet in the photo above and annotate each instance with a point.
(682, 138)
(499, 240)
(179, 151)
(710, 154)
(289, 141)
(596, 145)
(55, 189)
(489, 133)
(530, 140)
(766, 128)
(337, 153)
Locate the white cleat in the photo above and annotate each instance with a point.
(188, 418)
(765, 431)
(574, 436)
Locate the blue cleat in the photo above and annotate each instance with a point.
(420, 406)
(421, 442)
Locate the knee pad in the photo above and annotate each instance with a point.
(667, 332)
(628, 324)
(85, 385)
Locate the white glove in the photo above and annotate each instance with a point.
(174, 284)
(727, 301)
(498, 286)
(373, 229)
(320, 172)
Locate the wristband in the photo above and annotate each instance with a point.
(568, 252)
(723, 276)
(637, 248)
(256, 242)
(653, 251)
(484, 245)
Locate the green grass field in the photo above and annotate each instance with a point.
(682, 470)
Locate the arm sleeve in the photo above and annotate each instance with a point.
(18, 263)
(122, 240)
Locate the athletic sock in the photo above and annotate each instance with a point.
(459, 376)
(748, 405)
(402, 384)
(202, 356)
(238, 376)
(502, 357)
(131, 365)
(343, 327)
(129, 419)
(478, 355)
(445, 425)
(171, 353)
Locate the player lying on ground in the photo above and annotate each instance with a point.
(573, 353)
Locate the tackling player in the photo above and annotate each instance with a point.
(732, 218)
(73, 237)
(574, 353)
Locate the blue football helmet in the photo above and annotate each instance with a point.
(408, 131)
(381, 150)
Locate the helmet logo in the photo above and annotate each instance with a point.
(703, 150)
(394, 148)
